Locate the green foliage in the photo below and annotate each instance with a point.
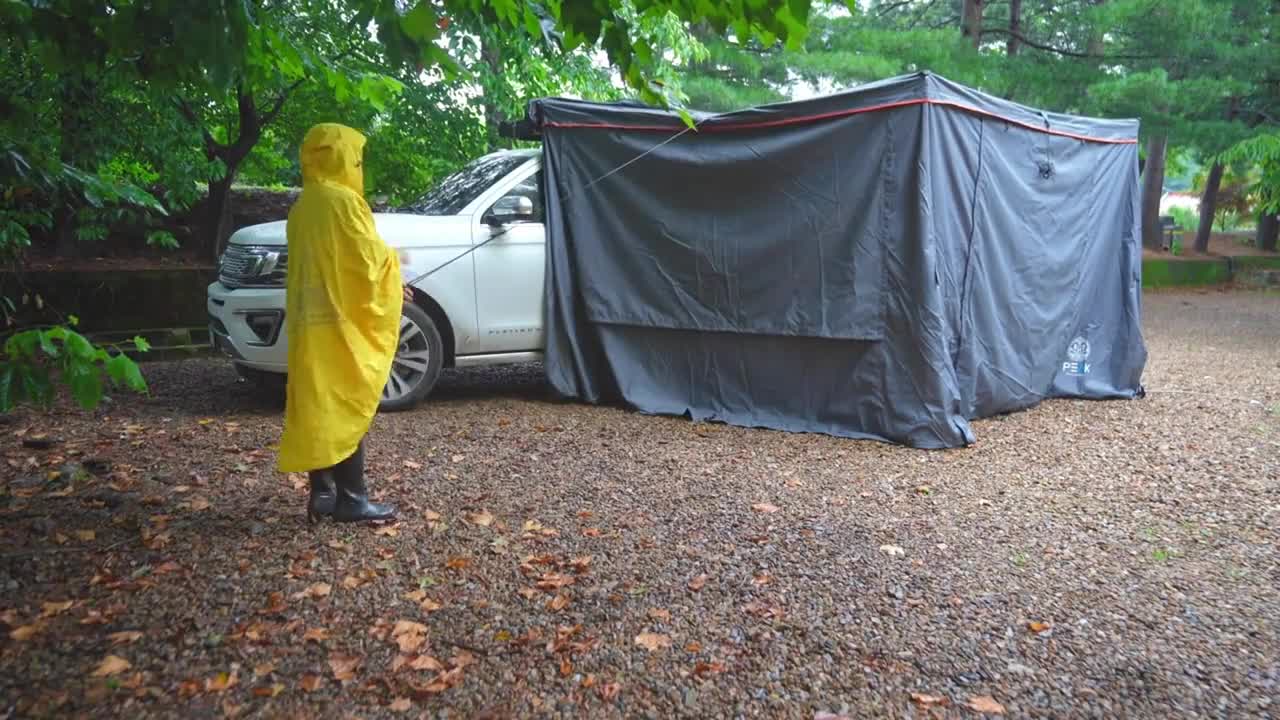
(1185, 218)
(1262, 152)
(36, 363)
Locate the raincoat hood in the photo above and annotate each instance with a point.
(333, 153)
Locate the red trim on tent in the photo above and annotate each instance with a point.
(728, 127)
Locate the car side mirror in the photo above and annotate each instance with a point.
(510, 209)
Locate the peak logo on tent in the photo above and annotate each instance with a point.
(1077, 354)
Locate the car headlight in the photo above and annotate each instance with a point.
(253, 266)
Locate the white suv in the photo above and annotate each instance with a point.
(483, 308)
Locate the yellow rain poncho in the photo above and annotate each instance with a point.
(343, 306)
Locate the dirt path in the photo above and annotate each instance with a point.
(1084, 559)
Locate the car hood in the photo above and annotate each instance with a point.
(397, 230)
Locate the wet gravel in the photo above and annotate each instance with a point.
(1084, 559)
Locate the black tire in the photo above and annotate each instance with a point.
(267, 382)
(419, 357)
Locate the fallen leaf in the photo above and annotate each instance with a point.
(653, 641)
(351, 582)
(558, 603)
(86, 535)
(609, 691)
(457, 563)
(400, 705)
(388, 530)
(660, 614)
(220, 682)
(763, 610)
(693, 647)
(50, 609)
(431, 516)
(317, 591)
(412, 465)
(264, 669)
(765, 508)
(111, 665)
(482, 518)
(415, 595)
(318, 635)
(26, 632)
(591, 532)
(124, 637)
(1038, 627)
(763, 578)
(703, 669)
(458, 458)
(527, 593)
(985, 704)
(926, 700)
(311, 683)
(409, 635)
(426, 662)
(167, 567)
(892, 550)
(429, 606)
(584, 514)
(344, 666)
(580, 564)
(462, 658)
(566, 667)
(554, 581)
(268, 691)
(696, 584)
(199, 503)
(823, 715)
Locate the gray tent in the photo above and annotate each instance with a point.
(888, 263)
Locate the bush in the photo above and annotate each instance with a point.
(35, 363)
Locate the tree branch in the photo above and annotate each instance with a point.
(1063, 51)
(278, 104)
(211, 146)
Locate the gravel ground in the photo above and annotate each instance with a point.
(1084, 559)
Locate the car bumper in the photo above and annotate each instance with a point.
(247, 325)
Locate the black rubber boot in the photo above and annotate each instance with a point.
(353, 497)
(324, 495)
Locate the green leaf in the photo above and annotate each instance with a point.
(124, 371)
(86, 385)
(141, 344)
(46, 344)
(79, 346)
(420, 23)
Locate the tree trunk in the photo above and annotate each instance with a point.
(491, 55)
(1015, 27)
(1095, 47)
(1268, 230)
(1208, 207)
(971, 21)
(1152, 189)
(218, 213)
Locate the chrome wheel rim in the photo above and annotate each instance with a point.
(412, 360)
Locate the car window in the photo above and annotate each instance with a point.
(460, 189)
(531, 187)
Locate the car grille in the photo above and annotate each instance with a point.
(253, 266)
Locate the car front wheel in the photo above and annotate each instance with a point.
(417, 364)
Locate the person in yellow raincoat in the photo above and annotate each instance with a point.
(344, 298)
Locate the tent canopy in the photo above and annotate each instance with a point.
(888, 262)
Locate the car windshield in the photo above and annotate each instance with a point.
(458, 190)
